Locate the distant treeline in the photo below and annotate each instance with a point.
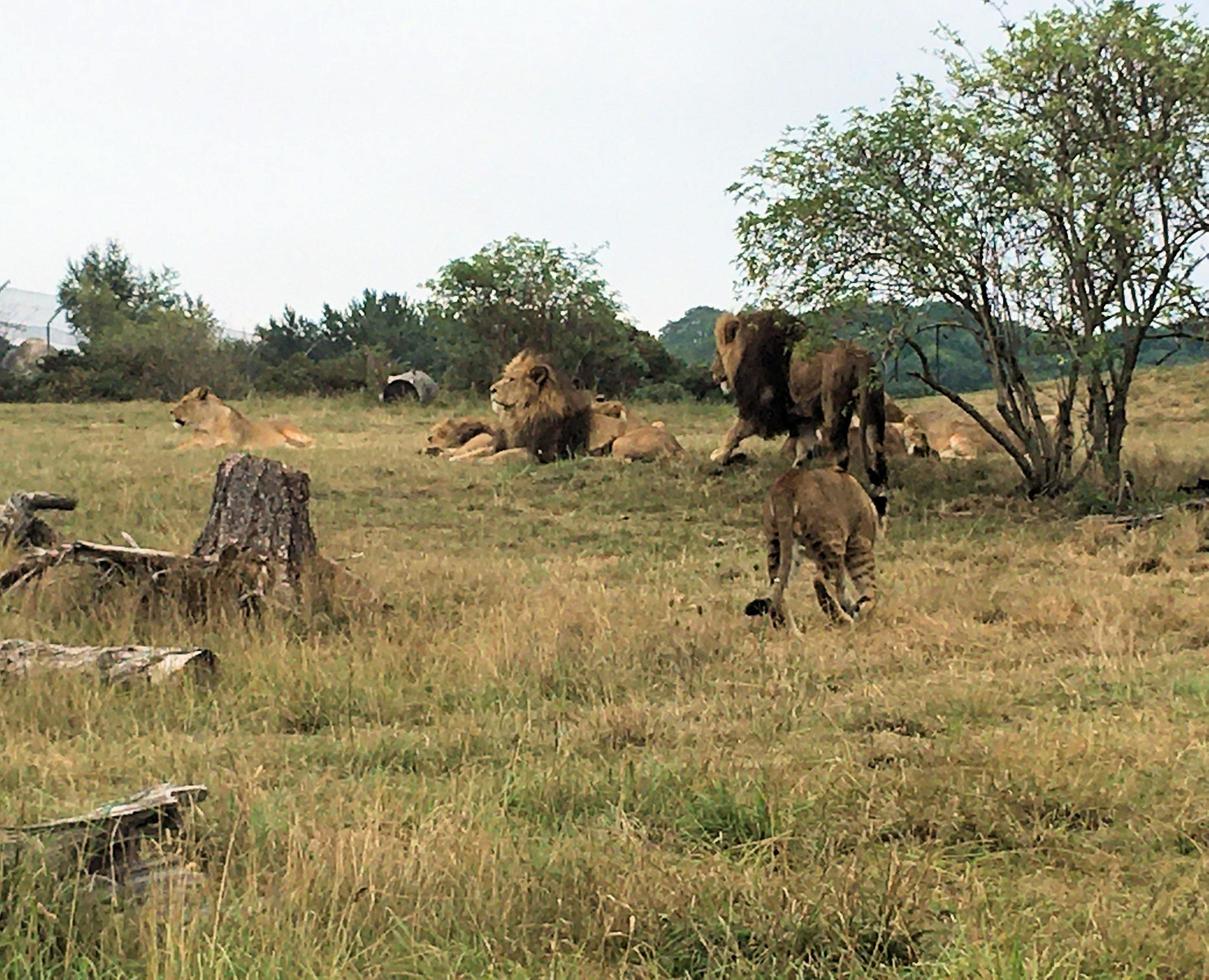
(142, 336)
(952, 351)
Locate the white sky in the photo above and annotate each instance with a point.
(298, 152)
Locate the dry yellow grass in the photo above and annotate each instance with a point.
(567, 753)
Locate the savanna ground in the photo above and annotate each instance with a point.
(565, 752)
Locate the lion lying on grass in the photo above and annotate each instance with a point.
(215, 423)
(543, 417)
(951, 436)
(451, 435)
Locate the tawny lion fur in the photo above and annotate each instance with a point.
(646, 442)
(809, 399)
(827, 516)
(543, 417)
(215, 423)
(451, 434)
(950, 436)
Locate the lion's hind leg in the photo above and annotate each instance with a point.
(294, 436)
(780, 556)
(829, 578)
(862, 569)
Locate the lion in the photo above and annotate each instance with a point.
(543, 417)
(646, 442)
(811, 400)
(827, 514)
(216, 423)
(949, 436)
(452, 434)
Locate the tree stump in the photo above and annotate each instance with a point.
(257, 544)
(261, 510)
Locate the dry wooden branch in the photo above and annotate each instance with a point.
(20, 525)
(109, 844)
(114, 665)
(1131, 522)
(105, 557)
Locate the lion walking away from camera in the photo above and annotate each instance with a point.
(215, 423)
(827, 515)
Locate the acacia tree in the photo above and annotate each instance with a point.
(1056, 193)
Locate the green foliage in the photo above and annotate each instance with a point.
(520, 293)
(141, 335)
(691, 338)
(662, 391)
(346, 349)
(1056, 198)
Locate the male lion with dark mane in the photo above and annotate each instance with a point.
(215, 423)
(544, 417)
(810, 400)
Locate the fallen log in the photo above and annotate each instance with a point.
(114, 665)
(109, 845)
(20, 525)
(105, 558)
(1131, 522)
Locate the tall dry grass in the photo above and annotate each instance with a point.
(565, 752)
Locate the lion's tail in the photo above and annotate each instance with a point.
(873, 428)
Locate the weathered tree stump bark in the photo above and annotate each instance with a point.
(113, 665)
(128, 845)
(20, 525)
(261, 510)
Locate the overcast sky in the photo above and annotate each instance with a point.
(298, 152)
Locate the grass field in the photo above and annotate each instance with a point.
(565, 752)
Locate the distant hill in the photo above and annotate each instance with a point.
(691, 338)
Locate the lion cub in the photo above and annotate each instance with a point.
(828, 514)
(216, 423)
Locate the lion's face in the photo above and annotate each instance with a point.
(521, 385)
(915, 437)
(728, 350)
(197, 407)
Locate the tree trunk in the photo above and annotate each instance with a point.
(261, 509)
(114, 665)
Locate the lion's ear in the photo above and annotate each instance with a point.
(539, 374)
(731, 330)
(203, 392)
